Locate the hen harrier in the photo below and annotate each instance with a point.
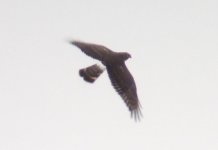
(119, 75)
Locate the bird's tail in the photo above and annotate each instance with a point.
(91, 73)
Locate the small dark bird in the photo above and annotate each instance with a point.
(120, 77)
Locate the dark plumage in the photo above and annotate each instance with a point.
(118, 73)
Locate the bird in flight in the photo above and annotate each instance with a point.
(120, 77)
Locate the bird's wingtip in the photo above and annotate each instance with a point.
(72, 41)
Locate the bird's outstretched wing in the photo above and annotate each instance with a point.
(91, 73)
(93, 50)
(124, 84)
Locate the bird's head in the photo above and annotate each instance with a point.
(125, 55)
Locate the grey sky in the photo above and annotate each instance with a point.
(45, 105)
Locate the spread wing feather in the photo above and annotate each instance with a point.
(93, 50)
(124, 84)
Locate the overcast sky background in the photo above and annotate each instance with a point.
(45, 105)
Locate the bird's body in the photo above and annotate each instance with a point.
(120, 77)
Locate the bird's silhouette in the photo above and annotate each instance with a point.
(118, 73)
